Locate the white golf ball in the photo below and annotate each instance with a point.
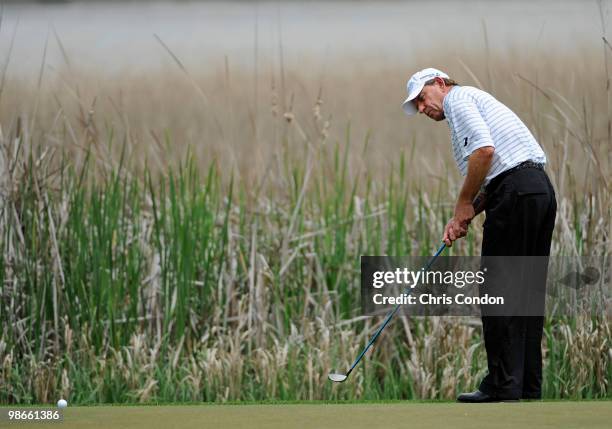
(62, 403)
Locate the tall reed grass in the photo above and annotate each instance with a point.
(130, 273)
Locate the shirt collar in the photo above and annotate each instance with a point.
(445, 101)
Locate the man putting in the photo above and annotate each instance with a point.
(503, 166)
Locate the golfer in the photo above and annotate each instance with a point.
(503, 165)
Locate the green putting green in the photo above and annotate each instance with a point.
(588, 414)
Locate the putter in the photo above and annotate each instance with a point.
(339, 378)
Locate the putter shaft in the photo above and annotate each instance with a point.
(389, 316)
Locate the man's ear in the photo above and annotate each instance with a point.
(440, 82)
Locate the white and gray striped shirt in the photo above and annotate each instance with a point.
(476, 119)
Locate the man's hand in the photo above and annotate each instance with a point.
(453, 231)
(479, 163)
(458, 226)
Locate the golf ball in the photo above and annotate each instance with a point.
(62, 403)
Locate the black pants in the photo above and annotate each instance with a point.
(520, 216)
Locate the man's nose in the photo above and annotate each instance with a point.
(420, 107)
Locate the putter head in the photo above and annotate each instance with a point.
(337, 378)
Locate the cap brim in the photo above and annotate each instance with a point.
(408, 106)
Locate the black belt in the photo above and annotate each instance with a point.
(497, 179)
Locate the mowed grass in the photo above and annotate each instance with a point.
(567, 415)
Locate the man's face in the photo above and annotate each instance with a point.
(430, 100)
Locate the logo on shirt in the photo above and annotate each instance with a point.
(465, 141)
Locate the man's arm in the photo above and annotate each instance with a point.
(479, 164)
(479, 203)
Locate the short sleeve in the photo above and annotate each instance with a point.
(471, 130)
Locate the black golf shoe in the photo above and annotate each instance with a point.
(481, 397)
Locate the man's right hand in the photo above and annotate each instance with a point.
(453, 231)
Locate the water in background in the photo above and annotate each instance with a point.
(114, 36)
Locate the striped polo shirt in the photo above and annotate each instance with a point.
(476, 119)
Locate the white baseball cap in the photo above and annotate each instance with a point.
(415, 85)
